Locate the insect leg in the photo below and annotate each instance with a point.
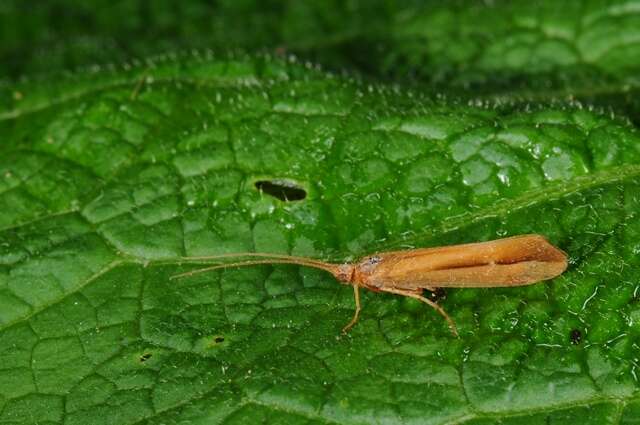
(419, 297)
(356, 314)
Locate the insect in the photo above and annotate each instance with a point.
(514, 261)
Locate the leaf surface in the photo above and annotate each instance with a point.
(110, 179)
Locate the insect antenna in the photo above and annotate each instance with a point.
(292, 258)
(331, 268)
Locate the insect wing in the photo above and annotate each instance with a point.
(520, 260)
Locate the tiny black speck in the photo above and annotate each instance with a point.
(575, 336)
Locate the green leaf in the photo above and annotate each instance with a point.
(518, 51)
(108, 180)
(466, 41)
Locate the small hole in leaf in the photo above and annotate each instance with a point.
(145, 357)
(284, 190)
(218, 339)
(575, 336)
(438, 294)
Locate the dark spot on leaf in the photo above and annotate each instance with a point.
(218, 339)
(284, 190)
(438, 294)
(575, 336)
(145, 357)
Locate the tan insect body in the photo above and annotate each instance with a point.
(515, 261)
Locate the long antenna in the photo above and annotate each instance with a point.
(331, 268)
(294, 259)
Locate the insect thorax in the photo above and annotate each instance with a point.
(364, 269)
